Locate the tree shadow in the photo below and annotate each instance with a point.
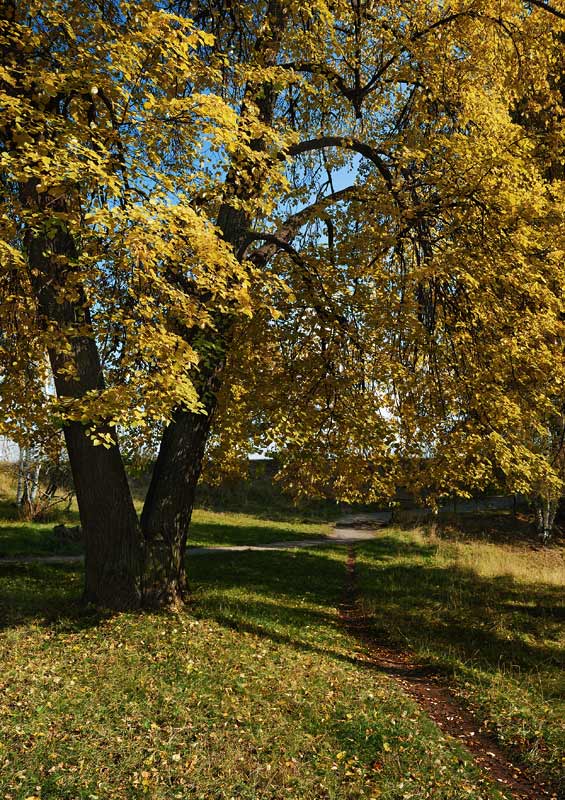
(496, 527)
(224, 533)
(292, 596)
(19, 538)
(489, 621)
(40, 539)
(279, 575)
(406, 599)
(45, 594)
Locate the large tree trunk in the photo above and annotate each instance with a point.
(109, 522)
(108, 518)
(167, 510)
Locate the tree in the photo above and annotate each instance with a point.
(174, 238)
(105, 109)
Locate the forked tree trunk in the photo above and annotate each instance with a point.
(121, 572)
(123, 568)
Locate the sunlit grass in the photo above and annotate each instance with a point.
(20, 537)
(490, 616)
(520, 564)
(255, 692)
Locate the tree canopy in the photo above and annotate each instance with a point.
(336, 228)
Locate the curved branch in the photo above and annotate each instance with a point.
(325, 311)
(548, 8)
(365, 150)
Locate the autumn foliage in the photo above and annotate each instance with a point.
(335, 228)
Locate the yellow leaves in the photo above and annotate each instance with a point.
(431, 315)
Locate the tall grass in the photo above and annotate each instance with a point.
(490, 559)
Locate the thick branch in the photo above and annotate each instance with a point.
(288, 230)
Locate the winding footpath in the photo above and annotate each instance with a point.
(433, 695)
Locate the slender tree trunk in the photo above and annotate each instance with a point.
(108, 518)
(167, 510)
(546, 511)
(22, 462)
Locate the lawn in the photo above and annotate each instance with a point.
(254, 691)
(19, 537)
(209, 528)
(257, 691)
(490, 617)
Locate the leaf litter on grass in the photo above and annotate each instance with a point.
(255, 691)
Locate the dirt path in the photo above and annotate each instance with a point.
(428, 690)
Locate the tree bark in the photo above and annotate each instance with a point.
(107, 514)
(546, 511)
(168, 508)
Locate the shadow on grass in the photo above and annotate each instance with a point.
(493, 621)
(482, 619)
(497, 527)
(45, 594)
(18, 538)
(291, 596)
(218, 533)
(37, 539)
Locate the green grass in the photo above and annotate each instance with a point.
(260, 495)
(255, 691)
(221, 528)
(490, 616)
(19, 537)
(209, 528)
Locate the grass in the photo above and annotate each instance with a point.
(490, 616)
(222, 529)
(255, 691)
(209, 528)
(20, 537)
